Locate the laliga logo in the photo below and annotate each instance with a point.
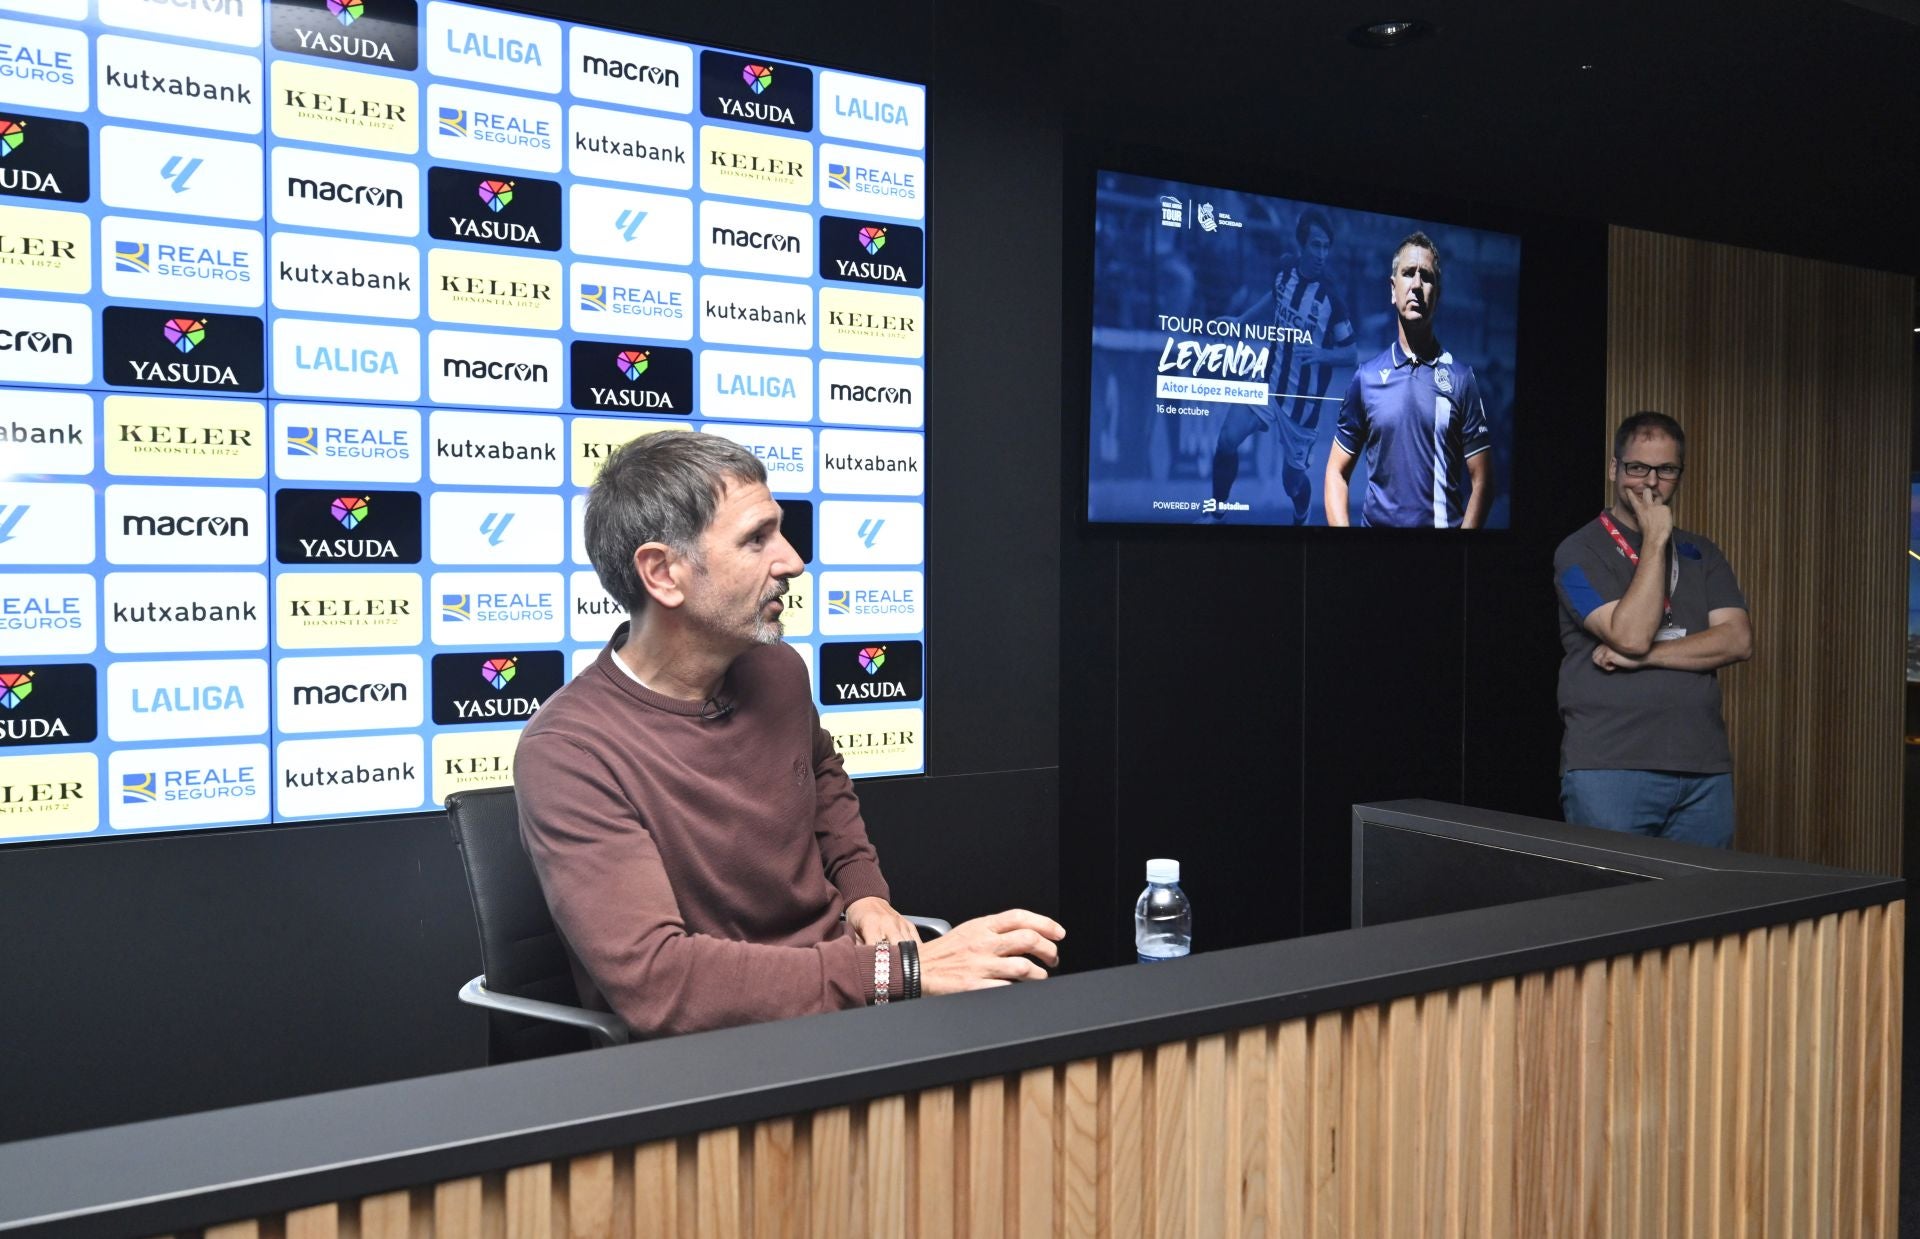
(499, 672)
(632, 363)
(348, 11)
(12, 134)
(185, 334)
(498, 195)
(872, 239)
(629, 223)
(350, 511)
(759, 78)
(15, 687)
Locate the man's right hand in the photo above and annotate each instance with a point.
(990, 950)
(1654, 517)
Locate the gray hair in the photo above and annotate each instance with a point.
(661, 487)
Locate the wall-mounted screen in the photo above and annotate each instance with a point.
(1267, 361)
(318, 317)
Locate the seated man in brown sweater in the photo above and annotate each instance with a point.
(690, 820)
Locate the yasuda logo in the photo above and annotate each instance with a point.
(632, 363)
(350, 510)
(872, 239)
(347, 11)
(177, 172)
(453, 124)
(759, 78)
(15, 687)
(498, 195)
(499, 672)
(872, 658)
(629, 223)
(493, 526)
(136, 787)
(12, 135)
(185, 334)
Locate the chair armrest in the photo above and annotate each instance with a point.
(938, 926)
(604, 1025)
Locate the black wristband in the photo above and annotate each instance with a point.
(909, 968)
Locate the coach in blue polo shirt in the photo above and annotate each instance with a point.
(1418, 416)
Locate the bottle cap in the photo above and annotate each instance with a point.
(1163, 870)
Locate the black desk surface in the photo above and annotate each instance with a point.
(1589, 895)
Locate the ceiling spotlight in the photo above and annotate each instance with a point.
(1395, 33)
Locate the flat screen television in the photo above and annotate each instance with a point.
(1254, 357)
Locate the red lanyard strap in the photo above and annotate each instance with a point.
(1633, 557)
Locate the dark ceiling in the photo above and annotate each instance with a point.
(1786, 126)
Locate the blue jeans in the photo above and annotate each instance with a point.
(1687, 808)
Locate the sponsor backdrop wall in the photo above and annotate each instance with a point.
(316, 323)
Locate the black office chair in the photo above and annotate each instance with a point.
(526, 985)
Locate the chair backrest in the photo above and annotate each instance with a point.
(521, 951)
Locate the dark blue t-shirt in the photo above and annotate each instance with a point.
(1419, 421)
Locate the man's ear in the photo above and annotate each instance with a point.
(661, 571)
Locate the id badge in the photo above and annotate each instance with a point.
(1672, 632)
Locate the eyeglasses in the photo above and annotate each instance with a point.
(1640, 469)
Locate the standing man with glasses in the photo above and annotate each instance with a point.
(1648, 614)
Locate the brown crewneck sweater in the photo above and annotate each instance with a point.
(699, 867)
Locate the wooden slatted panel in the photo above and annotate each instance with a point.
(1793, 380)
(1742, 1086)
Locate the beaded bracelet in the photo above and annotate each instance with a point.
(882, 971)
(909, 968)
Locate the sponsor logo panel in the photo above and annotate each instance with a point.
(595, 438)
(43, 158)
(360, 692)
(759, 313)
(496, 528)
(494, 290)
(874, 182)
(48, 614)
(473, 367)
(872, 393)
(474, 126)
(322, 610)
(319, 442)
(181, 437)
(493, 208)
(332, 275)
(868, 109)
(878, 741)
(496, 449)
(761, 386)
(180, 174)
(606, 300)
(209, 785)
(755, 165)
(766, 240)
(165, 260)
(882, 324)
(185, 349)
(861, 603)
(786, 451)
(65, 10)
(50, 794)
(46, 523)
(498, 608)
(350, 774)
(319, 189)
(867, 672)
(42, 342)
(233, 22)
(46, 251)
(594, 614)
(340, 526)
(752, 90)
(185, 612)
(632, 150)
(631, 225)
(486, 45)
(383, 33)
(187, 700)
(470, 759)
(868, 251)
(339, 107)
(494, 686)
(169, 84)
(872, 533)
(360, 361)
(632, 378)
(46, 432)
(44, 66)
(629, 70)
(224, 525)
(796, 607)
(871, 462)
(48, 703)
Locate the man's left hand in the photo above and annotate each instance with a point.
(873, 918)
(1607, 658)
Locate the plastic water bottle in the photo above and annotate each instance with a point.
(1162, 918)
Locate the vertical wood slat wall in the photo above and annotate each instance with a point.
(1794, 382)
(1746, 1086)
